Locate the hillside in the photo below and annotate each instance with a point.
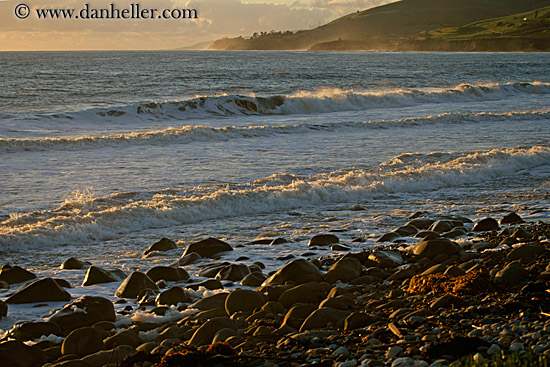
(407, 25)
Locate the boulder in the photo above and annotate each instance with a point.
(188, 259)
(512, 275)
(243, 300)
(296, 315)
(388, 237)
(134, 284)
(167, 273)
(126, 337)
(208, 247)
(233, 272)
(441, 226)
(211, 302)
(323, 240)
(386, 259)
(73, 263)
(208, 284)
(432, 248)
(82, 342)
(525, 252)
(486, 224)
(313, 292)
(163, 245)
(40, 290)
(345, 269)
(253, 279)
(421, 223)
(172, 296)
(321, 317)
(15, 274)
(407, 230)
(96, 275)
(297, 272)
(84, 311)
(511, 218)
(17, 354)
(3, 309)
(204, 334)
(357, 320)
(447, 301)
(109, 357)
(33, 330)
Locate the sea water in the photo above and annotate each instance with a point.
(104, 153)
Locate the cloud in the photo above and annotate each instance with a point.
(216, 19)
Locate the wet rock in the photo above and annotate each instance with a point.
(511, 218)
(3, 309)
(126, 337)
(109, 357)
(296, 315)
(432, 248)
(407, 230)
(339, 303)
(40, 290)
(298, 272)
(172, 296)
(33, 330)
(386, 259)
(222, 335)
(441, 226)
(134, 284)
(511, 275)
(345, 269)
(447, 301)
(96, 275)
(211, 302)
(357, 320)
(18, 354)
(188, 259)
(208, 284)
(253, 279)
(243, 300)
(454, 271)
(208, 247)
(388, 237)
(427, 235)
(436, 269)
(73, 263)
(233, 272)
(323, 240)
(204, 334)
(210, 270)
(522, 234)
(525, 252)
(163, 245)
(312, 292)
(321, 317)
(339, 247)
(486, 224)
(421, 223)
(84, 311)
(15, 274)
(82, 342)
(400, 274)
(167, 273)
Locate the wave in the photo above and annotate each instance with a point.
(85, 219)
(190, 134)
(299, 103)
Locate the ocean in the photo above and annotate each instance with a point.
(104, 153)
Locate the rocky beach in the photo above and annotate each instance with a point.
(432, 291)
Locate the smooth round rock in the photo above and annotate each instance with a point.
(323, 240)
(82, 342)
(134, 284)
(163, 245)
(208, 247)
(84, 311)
(298, 271)
(243, 300)
(167, 273)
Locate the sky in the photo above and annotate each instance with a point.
(21, 29)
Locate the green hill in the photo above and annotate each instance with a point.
(446, 25)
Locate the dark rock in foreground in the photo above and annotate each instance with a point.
(15, 274)
(134, 284)
(40, 290)
(84, 311)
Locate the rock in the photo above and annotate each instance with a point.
(211, 302)
(62, 283)
(511, 218)
(486, 224)
(427, 235)
(188, 259)
(96, 275)
(357, 320)
(407, 230)
(163, 245)
(109, 357)
(134, 284)
(204, 334)
(312, 292)
(446, 301)
(126, 337)
(339, 247)
(386, 259)
(40, 290)
(296, 315)
(511, 275)
(70, 363)
(400, 274)
(208, 284)
(323, 240)
(243, 300)
(388, 237)
(298, 272)
(458, 347)
(167, 273)
(345, 270)
(522, 234)
(15, 274)
(73, 263)
(82, 342)
(4, 285)
(17, 354)
(454, 271)
(432, 248)
(3, 309)
(421, 223)
(321, 317)
(441, 226)
(253, 279)
(222, 335)
(436, 269)
(172, 296)
(392, 352)
(233, 272)
(210, 270)
(84, 311)
(208, 248)
(33, 330)
(525, 252)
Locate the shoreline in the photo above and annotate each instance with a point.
(463, 288)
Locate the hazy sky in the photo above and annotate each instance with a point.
(216, 19)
